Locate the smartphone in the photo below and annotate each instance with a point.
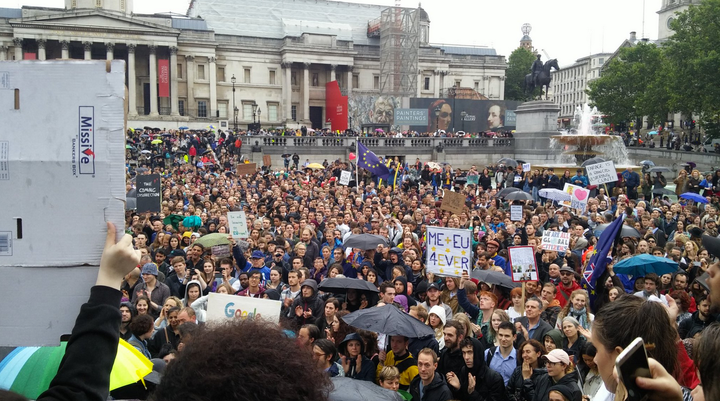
(631, 364)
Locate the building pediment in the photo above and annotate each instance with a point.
(94, 20)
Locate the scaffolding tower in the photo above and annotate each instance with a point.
(399, 51)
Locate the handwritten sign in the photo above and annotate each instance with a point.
(578, 196)
(148, 193)
(449, 251)
(246, 168)
(267, 160)
(516, 212)
(238, 224)
(601, 173)
(222, 307)
(555, 241)
(522, 261)
(453, 202)
(345, 177)
(526, 167)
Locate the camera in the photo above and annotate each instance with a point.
(277, 255)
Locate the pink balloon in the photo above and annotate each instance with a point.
(581, 195)
(352, 156)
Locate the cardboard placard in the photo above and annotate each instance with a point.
(522, 262)
(221, 251)
(453, 202)
(238, 225)
(516, 212)
(449, 251)
(222, 307)
(246, 168)
(148, 193)
(555, 241)
(601, 173)
(267, 160)
(345, 177)
(579, 196)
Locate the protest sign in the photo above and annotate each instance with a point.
(555, 241)
(238, 224)
(526, 167)
(267, 160)
(246, 168)
(453, 202)
(345, 177)
(579, 196)
(449, 251)
(516, 212)
(228, 307)
(473, 179)
(522, 261)
(601, 173)
(221, 251)
(148, 193)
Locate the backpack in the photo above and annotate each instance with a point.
(489, 353)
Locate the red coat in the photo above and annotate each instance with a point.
(563, 294)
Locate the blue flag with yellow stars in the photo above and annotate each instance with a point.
(369, 161)
(601, 255)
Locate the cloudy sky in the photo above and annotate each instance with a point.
(565, 29)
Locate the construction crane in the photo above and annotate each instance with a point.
(547, 56)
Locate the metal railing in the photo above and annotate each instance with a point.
(338, 142)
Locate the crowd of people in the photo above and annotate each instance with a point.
(551, 339)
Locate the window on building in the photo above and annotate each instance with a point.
(272, 77)
(201, 71)
(202, 110)
(476, 86)
(601, 61)
(222, 109)
(246, 75)
(122, 5)
(98, 3)
(73, 4)
(293, 112)
(247, 111)
(293, 79)
(315, 79)
(356, 81)
(273, 111)
(181, 106)
(457, 83)
(180, 71)
(376, 82)
(221, 74)
(426, 83)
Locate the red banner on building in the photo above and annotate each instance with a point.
(29, 56)
(336, 107)
(163, 78)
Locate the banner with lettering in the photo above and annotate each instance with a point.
(163, 78)
(228, 307)
(449, 251)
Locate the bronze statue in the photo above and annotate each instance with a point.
(540, 76)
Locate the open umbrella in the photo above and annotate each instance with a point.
(174, 220)
(555, 195)
(347, 389)
(644, 264)
(156, 141)
(503, 193)
(340, 285)
(663, 191)
(285, 155)
(660, 169)
(183, 128)
(625, 231)
(315, 166)
(144, 136)
(694, 197)
(129, 147)
(648, 163)
(192, 222)
(495, 278)
(145, 151)
(29, 370)
(518, 195)
(207, 151)
(434, 165)
(131, 200)
(364, 241)
(652, 133)
(508, 162)
(593, 160)
(211, 240)
(389, 320)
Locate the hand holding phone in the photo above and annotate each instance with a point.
(631, 364)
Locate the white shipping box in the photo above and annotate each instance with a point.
(62, 175)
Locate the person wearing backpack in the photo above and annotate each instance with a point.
(503, 358)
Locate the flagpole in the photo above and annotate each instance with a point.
(357, 166)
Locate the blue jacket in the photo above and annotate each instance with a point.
(583, 179)
(632, 179)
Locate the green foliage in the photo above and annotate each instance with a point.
(519, 64)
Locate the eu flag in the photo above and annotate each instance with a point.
(369, 161)
(601, 255)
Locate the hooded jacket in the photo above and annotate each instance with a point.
(404, 281)
(187, 287)
(312, 303)
(489, 384)
(367, 367)
(437, 390)
(538, 387)
(556, 336)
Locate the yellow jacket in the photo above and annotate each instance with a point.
(407, 367)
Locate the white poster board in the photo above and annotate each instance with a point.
(555, 241)
(526, 167)
(601, 173)
(522, 262)
(579, 196)
(345, 177)
(449, 251)
(516, 212)
(238, 224)
(228, 307)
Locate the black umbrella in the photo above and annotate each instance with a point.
(389, 320)
(593, 160)
(147, 127)
(508, 162)
(495, 278)
(663, 191)
(520, 161)
(130, 200)
(506, 191)
(364, 241)
(347, 389)
(660, 169)
(340, 285)
(625, 231)
(286, 155)
(206, 151)
(518, 195)
(180, 152)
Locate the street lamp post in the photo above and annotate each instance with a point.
(235, 109)
(462, 117)
(350, 127)
(258, 121)
(452, 92)
(437, 118)
(254, 109)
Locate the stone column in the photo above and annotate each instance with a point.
(3, 52)
(65, 46)
(502, 87)
(110, 51)
(132, 81)
(349, 80)
(190, 77)
(436, 87)
(173, 82)
(333, 67)
(306, 92)
(41, 49)
(88, 48)
(287, 91)
(486, 86)
(153, 81)
(17, 43)
(213, 87)
(420, 83)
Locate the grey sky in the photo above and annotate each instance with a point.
(566, 29)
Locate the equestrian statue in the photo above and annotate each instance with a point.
(540, 76)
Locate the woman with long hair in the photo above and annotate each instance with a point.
(498, 316)
(579, 308)
(436, 321)
(531, 352)
(516, 310)
(449, 293)
(325, 322)
(170, 302)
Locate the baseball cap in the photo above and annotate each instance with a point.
(150, 268)
(433, 285)
(558, 355)
(257, 255)
(567, 269)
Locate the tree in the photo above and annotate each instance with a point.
(519, 64)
